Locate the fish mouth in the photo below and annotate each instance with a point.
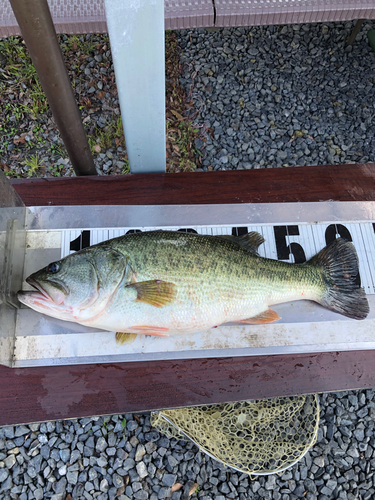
(57, 296)
(43, 295)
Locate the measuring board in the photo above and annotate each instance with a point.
(291, 234)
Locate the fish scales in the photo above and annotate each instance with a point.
(164, 282)
(216, 280)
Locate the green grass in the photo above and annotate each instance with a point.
(111, 136)
(20, 75)
(126, 167)
(13, 49)
(8, 128)
(185, 142)
(105, 426)
(12, 175)
(40, 103)
(57, 170)
(33, 164)
(80, 44)
(57, 150)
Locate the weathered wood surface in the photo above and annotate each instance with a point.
(328, 182)
(61, 392)
(35, 394)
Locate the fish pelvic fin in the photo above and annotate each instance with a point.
(125, 338)
(338, 264)
(268, 316)
(155, 292)
(250, 241)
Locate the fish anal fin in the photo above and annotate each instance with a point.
(125, 338)
(155, 292)
(268, 316)
(155, 331)
(132, 333)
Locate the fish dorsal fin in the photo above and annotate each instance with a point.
(268, 316)
(155, 292)
(250, 241)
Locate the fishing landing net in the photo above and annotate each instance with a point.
(258, 437)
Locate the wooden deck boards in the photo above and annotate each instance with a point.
(36, 394)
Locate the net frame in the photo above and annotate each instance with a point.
(286, 427)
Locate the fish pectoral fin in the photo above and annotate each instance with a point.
(155, 292)
(125, 338)
(156, 331)
(268, 316)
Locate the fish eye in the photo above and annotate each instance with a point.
(53, 268)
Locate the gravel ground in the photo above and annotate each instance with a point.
(263, 97)
(279, 96)
(124, 457)
(257, 97)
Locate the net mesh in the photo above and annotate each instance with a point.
(256, 436)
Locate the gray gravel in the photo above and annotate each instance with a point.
(280, 96)
(124, 457)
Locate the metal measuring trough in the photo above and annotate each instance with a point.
(32, 237)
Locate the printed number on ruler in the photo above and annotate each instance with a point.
(84, 239)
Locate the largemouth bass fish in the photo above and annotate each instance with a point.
(164, 282)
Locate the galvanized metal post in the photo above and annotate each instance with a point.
(35, 21)
(136, 31)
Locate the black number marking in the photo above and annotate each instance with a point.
(334, 229)
(330, 236)
(284, 250)
(82, 241)
(239, 231)
(187, 230)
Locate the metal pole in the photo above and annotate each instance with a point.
(35, 21)
(355, 31)
(136, 32)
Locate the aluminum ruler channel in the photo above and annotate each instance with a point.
(117, 216)
(304, 327)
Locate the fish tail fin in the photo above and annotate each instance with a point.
(339, 263)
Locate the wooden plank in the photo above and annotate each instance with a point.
(36, 394)
(317, 183)
(61, 392)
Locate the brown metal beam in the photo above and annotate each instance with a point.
(355, 31)
(270, 185)
(35, 21)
